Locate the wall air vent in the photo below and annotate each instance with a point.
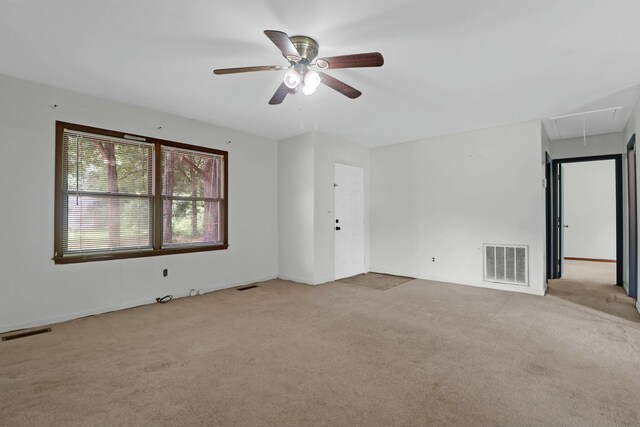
(506, 264)
(25, 334)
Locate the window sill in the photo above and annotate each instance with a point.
(72, 259)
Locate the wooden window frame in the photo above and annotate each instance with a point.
(157, 198)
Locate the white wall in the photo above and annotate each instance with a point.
(306, 204)
(590, 210)
(36, 291)
(296, 209)
(444, 197)
(633, 125)
(598, 145)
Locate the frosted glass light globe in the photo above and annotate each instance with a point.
(311, 78)
(308, 89)
(291, 79)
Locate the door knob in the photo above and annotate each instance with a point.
(337, 228)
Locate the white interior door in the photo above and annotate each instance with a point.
(349, 220)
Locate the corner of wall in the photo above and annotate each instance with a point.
(633, 122)
(296, 209)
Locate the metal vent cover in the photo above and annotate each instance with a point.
(24, 334)
(506, 264)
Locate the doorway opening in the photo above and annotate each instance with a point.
(585, 235)
(585, 203)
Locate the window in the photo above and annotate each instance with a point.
(123, 196)
(192, 197)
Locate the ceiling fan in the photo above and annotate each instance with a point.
(304, 74)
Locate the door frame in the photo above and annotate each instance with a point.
(554, 258)
(633, 220)
(548, 174)
(555, 233)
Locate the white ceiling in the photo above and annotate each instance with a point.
(450, 66)
(596, 118)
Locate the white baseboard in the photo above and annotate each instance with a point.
(295, 279)
(488, 285)
(638, 306)
(107, 309)
(500, 287)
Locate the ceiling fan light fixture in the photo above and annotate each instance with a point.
(308, 89)
(303, 74)
(291, 78)
(312, 79)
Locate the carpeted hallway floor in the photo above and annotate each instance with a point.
(282, 354)
(593, 284)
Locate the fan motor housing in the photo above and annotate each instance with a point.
(306, 46)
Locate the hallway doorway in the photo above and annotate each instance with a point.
(593, 284)
(586, 238)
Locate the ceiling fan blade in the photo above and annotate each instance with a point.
(248, 69)
(341, 87)
(372, 59)
(283, 42)
(280, 95)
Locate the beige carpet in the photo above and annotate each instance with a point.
(282, 354)
(593, 284)
(378, 281)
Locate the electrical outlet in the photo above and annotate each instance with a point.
(433, 259)
(165, 272)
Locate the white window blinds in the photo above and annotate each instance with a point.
(107, 194)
